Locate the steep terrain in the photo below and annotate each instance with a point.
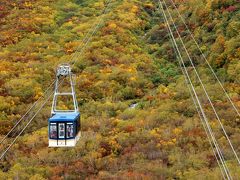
(130, 60)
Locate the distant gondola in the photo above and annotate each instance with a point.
(64, 125)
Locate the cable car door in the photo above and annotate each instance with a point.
(61, 131)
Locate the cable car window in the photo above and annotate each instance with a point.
(53, 130)
(61, 130)
(69, 130)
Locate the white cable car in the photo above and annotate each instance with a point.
(64, 125)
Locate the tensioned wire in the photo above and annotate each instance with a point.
(203, 86)
(15, 139)
(87, 39)
(215, 143)
(29, 109)
(204, 57)
(219, 152)
(195, 103)
(198, 101)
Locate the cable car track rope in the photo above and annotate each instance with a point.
(80, 49)
(224, 169)
(204, 57)
(196, 103)
(195, 94)
(29, 109)
(203, 86)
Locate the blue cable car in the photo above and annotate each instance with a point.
(64, 125)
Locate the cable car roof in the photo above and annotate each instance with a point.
(64, 117)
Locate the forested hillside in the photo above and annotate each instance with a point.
(138, 118)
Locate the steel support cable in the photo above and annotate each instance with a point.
(26, 117)
(204, 57)
(205, 91)
(214, 143)
(93, 33)
(195, 69)
(203, 123)
(198, 101)
(218, 150)
(29, 109)
(7, 149)
(87, 41)
(195, 104)
(31, 119)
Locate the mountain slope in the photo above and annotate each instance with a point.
(129, 61)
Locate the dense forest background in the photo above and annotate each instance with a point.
(130, 60)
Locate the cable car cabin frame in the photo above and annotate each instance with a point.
(64, 125)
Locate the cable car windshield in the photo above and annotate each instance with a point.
(70, 130)
(61, 128)
(53, 130)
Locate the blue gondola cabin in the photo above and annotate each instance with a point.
(64, 129)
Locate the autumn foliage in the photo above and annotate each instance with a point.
(139, 121)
